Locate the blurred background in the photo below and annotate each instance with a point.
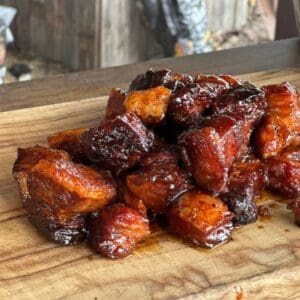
(39, 38)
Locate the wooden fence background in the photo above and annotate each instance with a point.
(85, 34)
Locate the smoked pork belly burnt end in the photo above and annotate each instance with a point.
(156, 183)
(190, 102)
(245, 184)
(284, 172)
(116, 231)
(69, 141)
(149, 105)
(295, 207)
(153, 78)
(58, 193)
(70, 188)
(213, 84)
(117, 144)
(209, 152)
(115, 104)
(281, 125)
(243, 102)
(27, 158)
(202, 219)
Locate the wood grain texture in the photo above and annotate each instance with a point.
(262, 260)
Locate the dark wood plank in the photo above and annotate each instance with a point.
(89, 84)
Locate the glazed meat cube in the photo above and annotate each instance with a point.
(284, 172)
(149, 105)
(115, 104)
(246, 182)
(200, 218)
(150, 79)
(57, 193)
(281, 126)
(117, 230)
(156, 184)
(70, 188)
(69, 141)
(209, 152)
(61, 193)
(295, 207)
(117, 144)
(163, 77)
(213, 84)
(27, 159)
(243, 102)
(188, 104)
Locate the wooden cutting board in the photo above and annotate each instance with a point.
(261, 261)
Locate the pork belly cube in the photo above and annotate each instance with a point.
(164, 77)
(150, 79)
(70, 188)
(213, 84)
(117, 144)
(188, 104)
(115, 104)
(149, 105)
(116, 231)
(246, 182)
(156, 183)
(243, 102)
(69, 141)
(295, 207)
(27, 158)
(201, 219)
(209, 152)
(281, 126)
(284, 172)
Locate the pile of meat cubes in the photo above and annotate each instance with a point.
(190, 154)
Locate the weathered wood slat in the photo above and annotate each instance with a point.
(262, 260)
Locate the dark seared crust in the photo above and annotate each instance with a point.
(117, 144)
(69, 141)
(201, 219)
(244, 102)
(116, 231)
(157, 183)
(72, 232)
(164, 77)
(246, 182)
